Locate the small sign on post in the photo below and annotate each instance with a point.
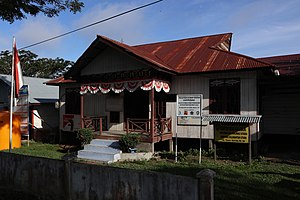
(189, 112)
(189, 109)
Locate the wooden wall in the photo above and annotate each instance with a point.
(199, 84)
(96, 105)
(280, 106)
(112, 60)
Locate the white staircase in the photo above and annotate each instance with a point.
(101, 150)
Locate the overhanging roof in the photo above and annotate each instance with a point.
(191, 55)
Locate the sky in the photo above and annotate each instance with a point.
(260, 28)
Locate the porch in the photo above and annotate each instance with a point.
(162, 129)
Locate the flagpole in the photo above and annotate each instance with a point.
(11, 98)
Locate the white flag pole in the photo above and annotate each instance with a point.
(11, 98)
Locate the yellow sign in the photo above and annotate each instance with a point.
(236, 133)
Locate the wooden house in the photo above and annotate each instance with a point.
(117, 88)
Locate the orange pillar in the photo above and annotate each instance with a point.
(4, 131)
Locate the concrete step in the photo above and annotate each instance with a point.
(93, 155)
(109, 143)
(101, 148)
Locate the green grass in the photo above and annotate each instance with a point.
(234, 180)
(53, 151)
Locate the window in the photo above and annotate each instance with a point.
(224, 96)
(72, 101)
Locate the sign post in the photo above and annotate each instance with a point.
(189, 112)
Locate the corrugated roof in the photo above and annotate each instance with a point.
(286, 64)
(232, 118)
(38, 91)
(58, 80)
(202, 54)
(192, 55)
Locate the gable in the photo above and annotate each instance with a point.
(110, 60)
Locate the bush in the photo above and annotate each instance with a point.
(129, 141)
(85, 136)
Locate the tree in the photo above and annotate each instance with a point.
(33, 66)
(11, 10)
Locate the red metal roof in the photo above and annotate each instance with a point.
(192, 55)
(59, 80)
(286, 64)
(201, 54)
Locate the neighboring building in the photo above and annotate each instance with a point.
(135, 87)
(280, 98)
(43, 116)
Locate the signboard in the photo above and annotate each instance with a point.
(22, 109)
(228, 132)
(189, 109)
(71, 122)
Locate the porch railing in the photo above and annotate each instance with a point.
(95, 123)
(161, 126)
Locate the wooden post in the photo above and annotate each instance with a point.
(100, 125)
(249, 150)
(152, 115)
(81, 112)
(215, 151)
(127, 125)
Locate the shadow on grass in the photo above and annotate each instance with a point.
(236, 182)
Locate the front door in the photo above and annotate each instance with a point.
(136, 104)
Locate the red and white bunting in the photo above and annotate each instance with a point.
(166, 87)
(83, 89)
(130, 86)
(147, 85)
(105, 87)
(118, 87)
(93, 89)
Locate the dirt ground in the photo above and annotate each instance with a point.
(284, 152)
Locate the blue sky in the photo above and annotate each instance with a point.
(260, 28)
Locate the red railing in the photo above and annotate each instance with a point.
(95, 123)
(161, 126)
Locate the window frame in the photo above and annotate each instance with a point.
(225, 96)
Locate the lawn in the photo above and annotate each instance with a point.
(234, 180)
(53, 151)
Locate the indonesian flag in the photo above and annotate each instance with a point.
(18, 77)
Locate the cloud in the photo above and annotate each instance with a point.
(128, 28)
(39, 29)
(259, 12)
(269, 40)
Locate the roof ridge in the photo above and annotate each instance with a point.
(277, 56)
(161, 63)
(177, 40)
(242, 55)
